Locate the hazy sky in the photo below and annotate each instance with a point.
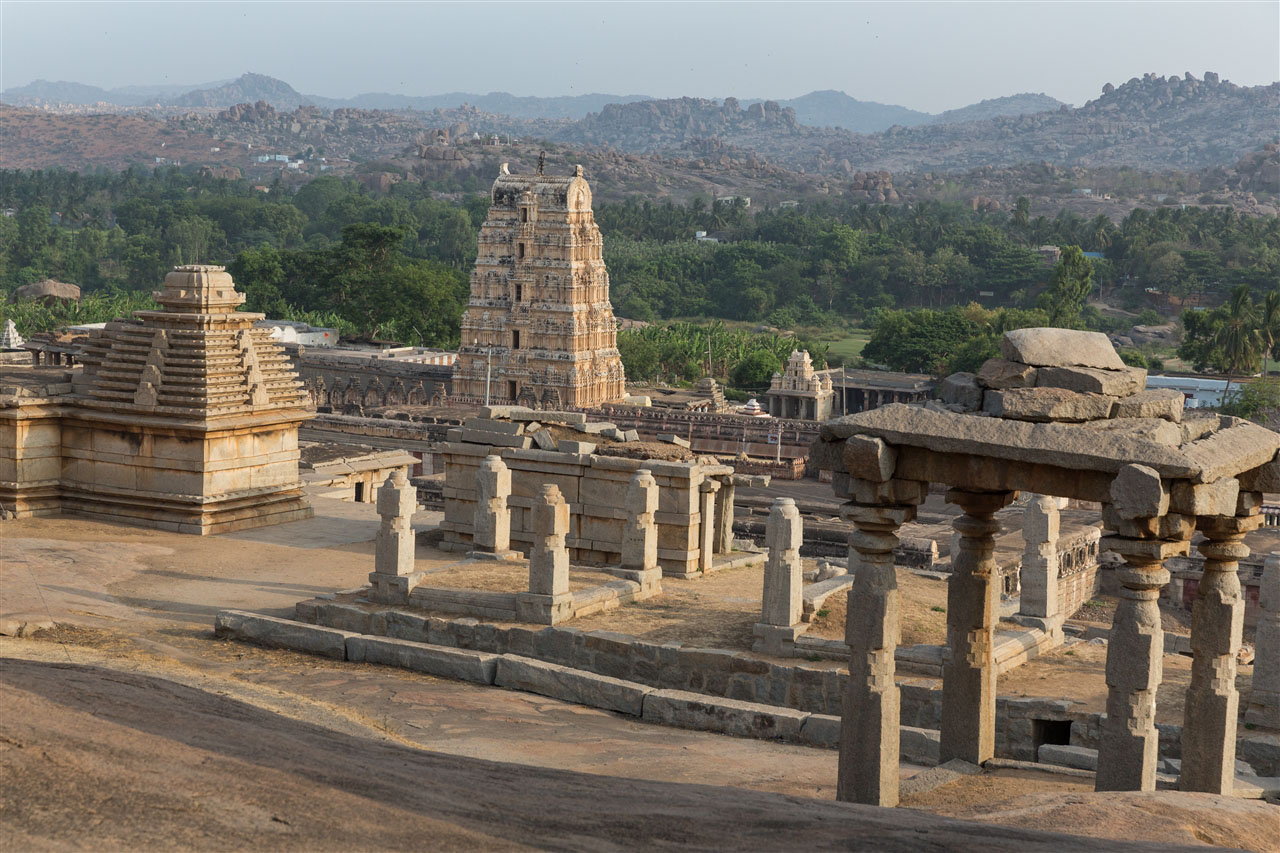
(929, 55)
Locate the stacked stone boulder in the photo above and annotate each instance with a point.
(1059, 415)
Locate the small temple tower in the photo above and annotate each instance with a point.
(800, 391)
(539, 329)
(185, 418)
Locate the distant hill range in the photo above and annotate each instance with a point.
(1148, 123)
(819, 109)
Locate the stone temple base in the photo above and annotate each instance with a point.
(776, 640)
(222, 516)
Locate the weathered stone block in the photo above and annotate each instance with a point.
(1137, 492)
(1047, 405)
(1115, 383)
(459, 664)
(281, 633)
(584, 447)
(1164, 403)
(1002, 374)
(1216, 498)
(571, 685)
(961, 389)
(673, 439)
(1044, 347)
(869, 458)
(728, 716)
(1147, 429)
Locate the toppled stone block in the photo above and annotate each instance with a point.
(505, 412)
(550, 417)
(1092, 380)
(1148, 429)
(1137, 492)
(1078, 757)
(1165, 403)
(544, 439)
(495, 439)
(595, 427)
(963, 390)
(1046, 405)
(869, 458)
(566, 446)
(1002, 374)
(673, 439)
(630, 435)
(1264, 478)
(1045, 347)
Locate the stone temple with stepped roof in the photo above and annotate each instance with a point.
(185, 418)
(539, 329)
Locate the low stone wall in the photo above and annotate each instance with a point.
(1077, 569)
(595, 489)
(1022, 724)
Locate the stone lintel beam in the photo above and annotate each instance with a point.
(1264, 478)
(1128, 752)
(869, 726)
(1217, 621)
(1216, 498)
(991, 474)
(973, 608)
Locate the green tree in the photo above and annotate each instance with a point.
(1069, 288)
(756, 370)
(1239, 338)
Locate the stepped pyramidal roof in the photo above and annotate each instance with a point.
(196, 358)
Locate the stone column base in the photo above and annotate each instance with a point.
(495, 556)
(777, 640)
(1051, 625)
(392, 589)
(544, 609)
(650, 580)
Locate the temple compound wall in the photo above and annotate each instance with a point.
(185, 419)
(1062, 415)
(539, 329)
(694, 517)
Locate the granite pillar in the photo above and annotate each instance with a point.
(640, 532)
(973, 607)
(1217, 622)
(707, 532)
(782, 605)
(491, 533)
(1264, 698)
(724, 517)
(1039, 580)
(548, 600)
(393, 575)
(1127, 754)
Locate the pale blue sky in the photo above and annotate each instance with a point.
(929, 56)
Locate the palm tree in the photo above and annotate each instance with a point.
(1269, 327)
(1239, 338)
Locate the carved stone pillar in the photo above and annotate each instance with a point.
(1264, 698)
(1128, 752)
(707, 533)
(724, 517)
(1039, 599)
(393, 574)
(782, 605)
(491, 530)
(548, 600)
(1217, 621)
(973, 607)
(640, 532)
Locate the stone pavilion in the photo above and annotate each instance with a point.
(185, 418)
(539, 329)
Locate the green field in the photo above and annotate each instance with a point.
(849, 345)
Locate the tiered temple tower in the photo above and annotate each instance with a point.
(539, 323)
(185, 418)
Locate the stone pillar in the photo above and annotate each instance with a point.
(1264, 698)
(1127, 753)
(548, 600)
(1217, 622)
(491, 536)
(973, 607)
(869, 725)
(393, 566)
(707, 531)
(782, 605)
(724, 517)
(640, 532)
(1038, 604)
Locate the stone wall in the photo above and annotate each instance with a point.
(595, 488)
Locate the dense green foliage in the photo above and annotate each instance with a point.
(925, 340)
(1234, 338)
(396, 265)
(679, 352)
